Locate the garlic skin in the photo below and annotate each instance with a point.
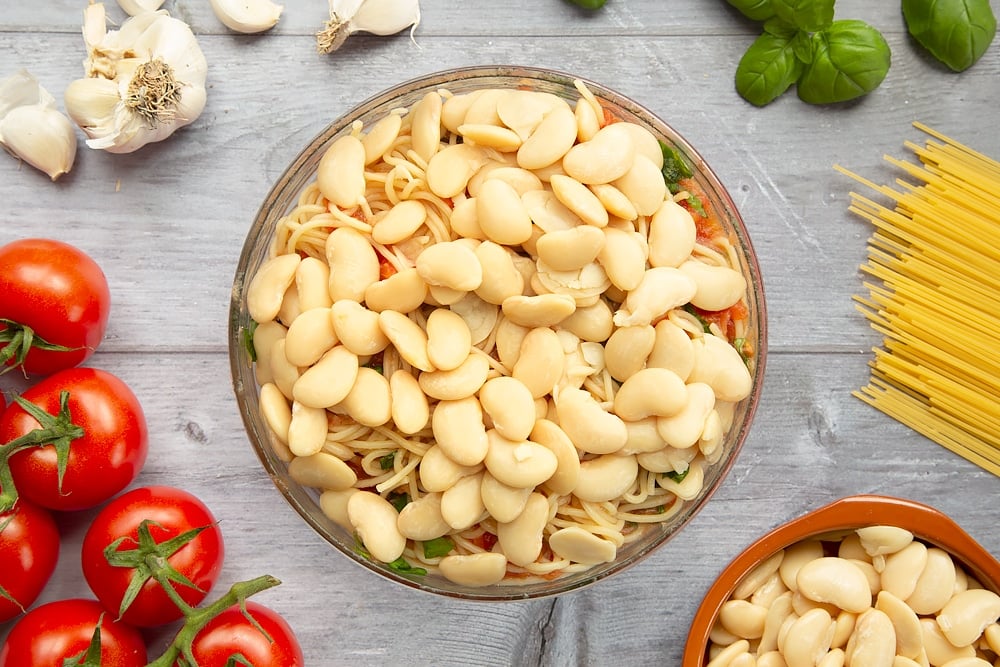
(379, 17)
(135, 7)
(247, 16)
(142, 82)
(33, 129)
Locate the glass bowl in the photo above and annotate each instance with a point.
(274, 455)
(831, 524)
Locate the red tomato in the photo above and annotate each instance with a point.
(49, 634)
(231, 633)
(29, 550)
(59, 294)
(104, 461)
(174, 512)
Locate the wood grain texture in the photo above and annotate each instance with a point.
(167, 224)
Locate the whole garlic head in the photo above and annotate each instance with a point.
(32, 128)
(142, 82)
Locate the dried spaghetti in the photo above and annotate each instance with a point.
(935, 297)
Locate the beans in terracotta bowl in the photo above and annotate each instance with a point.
(497, 333)
(865, 580)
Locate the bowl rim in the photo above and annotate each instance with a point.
(269, 212)
(927, 523)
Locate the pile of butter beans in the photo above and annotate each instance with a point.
(535, 351)
(875, 597)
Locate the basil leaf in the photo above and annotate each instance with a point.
(807, 15)
(402, 566)
(956, 32)
(850, 59)
(779, 28)
(767, 69)
(439, 546)
(674, 167)
(755, 10)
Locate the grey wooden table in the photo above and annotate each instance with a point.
(167, 224)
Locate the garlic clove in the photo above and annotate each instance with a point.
(247, 16)
(41, 136)
(378, 17)
(92, 102)
(135, 7)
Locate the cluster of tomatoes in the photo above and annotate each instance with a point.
(75, 440)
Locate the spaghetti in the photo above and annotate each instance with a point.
(935, 297)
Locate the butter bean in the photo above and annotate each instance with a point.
(906, 625)
(459, 430)
(623, 257)
(421, 519)
(550, 435)
(903, 568)
(290, 308)
(661, 289)
(310, 336)
(992, 636)
(369, 401)
(284, 374)
(550, 140)
(836, 581)
(504, 280)
(329, 380)
(672, 235)
(581, 546)
(606, 477)
(407, 337)
(501, 214)
(742, 618)
(374, 520)
(967, 614)
(439, 473)
(797, 555)
(615, 201)
(353, 264)
(521, 539)
(479, 316)
(322, 471)
(938, 648)
(425, 125)
(448, 339)
(672, 349)
(547, 212)
(439, 295)
(645, 143)
(312, 280)
(718, 287)
(587, 121)
(667, 459)
(450, 264)
(498, 138)
(483, 109)
(449, 169)
(882, 540)
(275, 410)
(265, 335)
(769, 591)
(268, 286)
(683, 429)
(457, 383)
(334, 506)
(520, 179)
(540, 361)
(509, 338)
(726, 656)
(690, 486)
(520, 464)
(570, 249)
(935, 585)
(873, 642)
(589, 426)
(379, 140)
(718, 364)
(357, 328)
(503, 502)
(575, 196)
(627, 349)
(650, 392)
(399, 222)
(510, 405)
(465, 221)
(307, 430)
(808, 639)
(843, 628)
(760, 574)
(590, 323)
(410, 410)
(403, 291)
(462, 505)
(643, 184)
(455, 108)
(777, 614)
(608, 155)
(835, 658)
(770, 659)
(341, 172)
(542, 310)
(482, 569)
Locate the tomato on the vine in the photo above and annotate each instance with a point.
(231, 633)
(54, 632)
(144, 521)
(55, 305)
(29, 551)
(97, 465)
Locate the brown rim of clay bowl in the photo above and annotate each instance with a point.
(925, 522)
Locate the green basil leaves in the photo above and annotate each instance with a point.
(956, 32)
(849, 59)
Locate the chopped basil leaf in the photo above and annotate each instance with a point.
(399, 500)
(674, 167)
(439, 546)
(248, 340)
(385, 462)
(403, 566)
(701, 320)
(677, 476)
(696, 204)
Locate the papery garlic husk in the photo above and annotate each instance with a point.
(247, 16)
(156, 72)
(379, 17)
(33, 129)
(136, 7)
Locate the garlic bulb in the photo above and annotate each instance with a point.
(379, 17)
(134, 7)
(32, 129)
(142, 82)
(247, 16)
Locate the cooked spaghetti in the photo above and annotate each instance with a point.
(935, 297)
(382, 456)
